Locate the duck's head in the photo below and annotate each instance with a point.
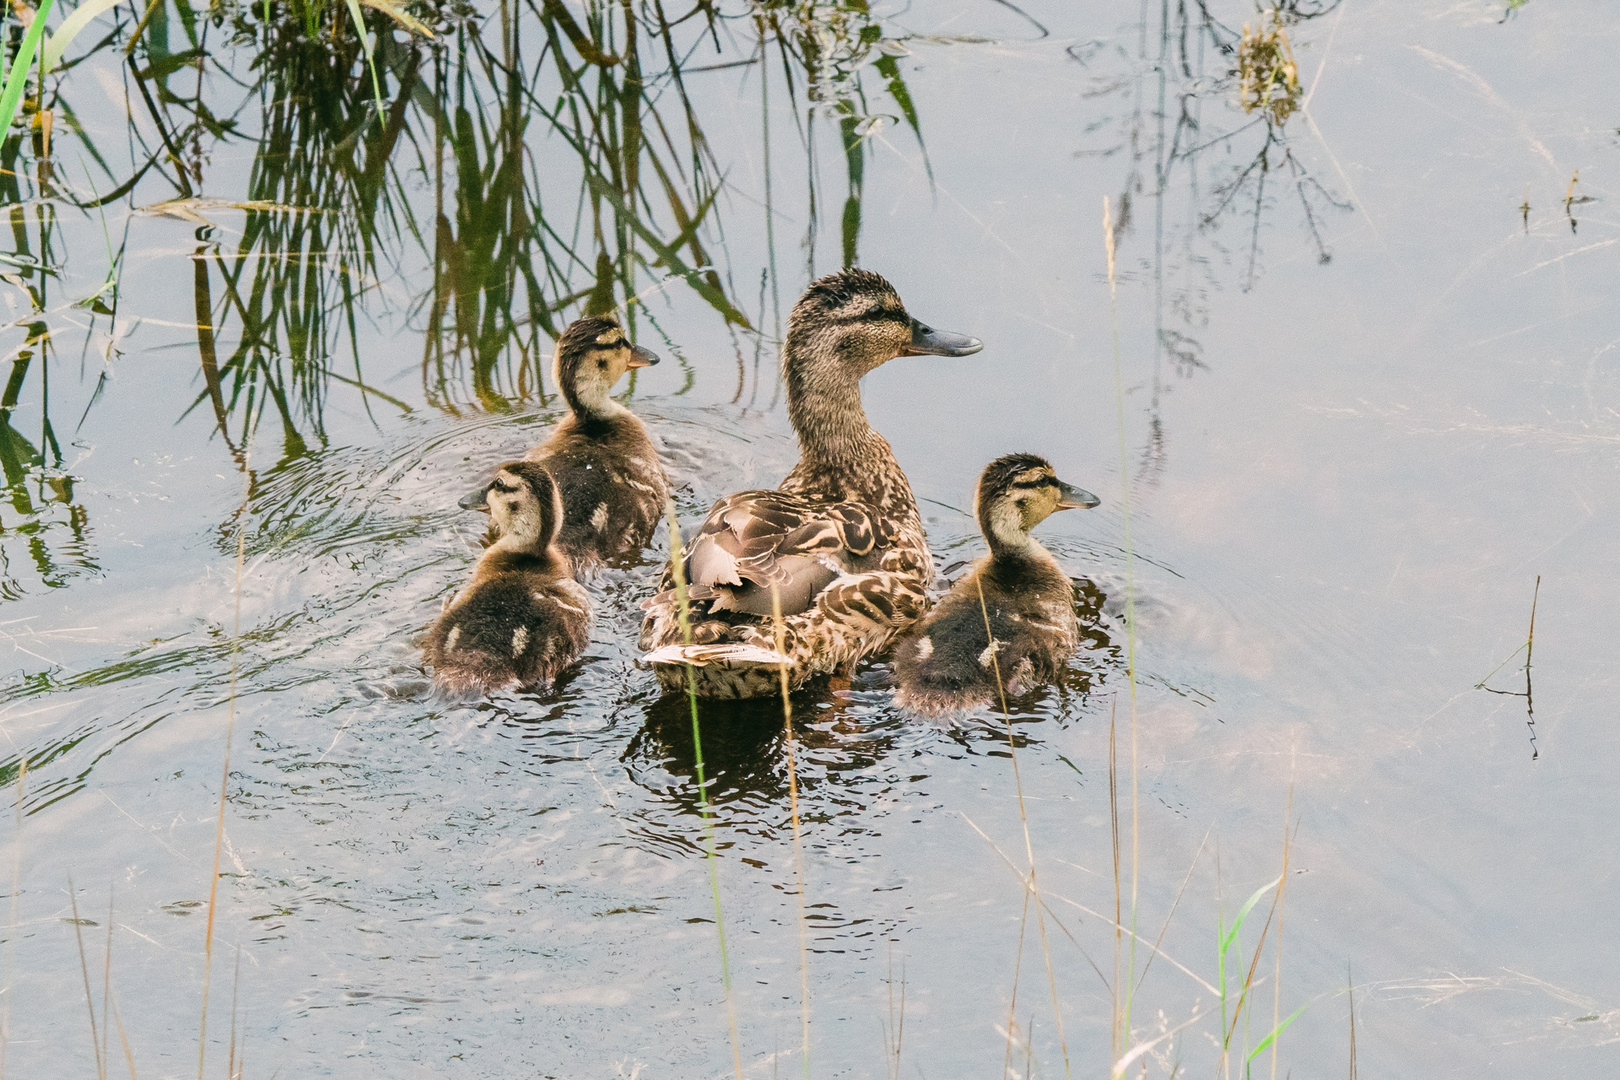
(1017, 493)
(524, 507)
(592, 355)
(848, 323)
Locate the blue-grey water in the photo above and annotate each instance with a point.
(1369, 374)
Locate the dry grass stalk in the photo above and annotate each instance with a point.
(84, 969)
(1124, 1015)
(1030, 883)
(11, 930)
(224, 779)
(798, 843)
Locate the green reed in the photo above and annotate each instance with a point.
(677, 563)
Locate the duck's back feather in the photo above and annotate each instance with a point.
(757, 541)
(511, 628)
(612, 484)
(952, 661)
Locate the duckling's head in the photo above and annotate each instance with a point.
(592, 355)
(1017, 493)
(848, 323)
(524, 507)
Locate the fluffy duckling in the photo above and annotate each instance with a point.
(523, 618)
(839, 544)
(613, 486)
(949, 663)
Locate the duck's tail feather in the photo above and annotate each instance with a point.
(703, 655)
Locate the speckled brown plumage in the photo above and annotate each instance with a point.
(840, 540)
(952, 659)
(523, 618)
(605, 464)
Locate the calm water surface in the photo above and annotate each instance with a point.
(1370, 359)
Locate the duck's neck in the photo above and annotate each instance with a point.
(591, 403)
(834, 435)
(1009, 541)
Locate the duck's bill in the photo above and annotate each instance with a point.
(477, 499)
(1073, 498)
(640, 357)
(926, 341)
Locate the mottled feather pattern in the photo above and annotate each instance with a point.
(518, 624)
(839, 541)
(856, 615)
(606, 463)
(948, 663)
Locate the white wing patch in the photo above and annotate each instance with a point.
(599, 518)
(988, 657)
(520, 640)
(925, 648)
(451, 639)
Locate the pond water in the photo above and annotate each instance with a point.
(1369, 369)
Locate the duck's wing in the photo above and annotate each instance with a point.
(757, 542)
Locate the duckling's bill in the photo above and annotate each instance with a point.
(640, 357)
(926, 341)
(1073, 498)
(476, 499)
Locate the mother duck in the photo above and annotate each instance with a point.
(839, 545)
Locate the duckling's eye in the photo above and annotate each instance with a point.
(602, 364)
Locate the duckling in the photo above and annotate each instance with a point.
(613, 486)
(523, 618)
(948, 662)
(838, 547)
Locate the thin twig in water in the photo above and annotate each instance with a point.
(84, 969)
(1350, 988)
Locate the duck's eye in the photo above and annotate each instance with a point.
(602, 364)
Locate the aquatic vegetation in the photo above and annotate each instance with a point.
(1267, 77)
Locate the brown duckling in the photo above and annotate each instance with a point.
(948, 662)
(613, 486)
(523, 618)
(839, 543)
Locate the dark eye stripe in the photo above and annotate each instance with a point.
(1046, 481)
(880, 315)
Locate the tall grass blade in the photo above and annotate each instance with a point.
(71, 26)
(1030, 882)
(1130, 593)
(798, 845)
(677, 562)
(225, 773)
(1271, 1036)
(360, 32)
(11, 926)
(1229, 934)
(17, 80)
